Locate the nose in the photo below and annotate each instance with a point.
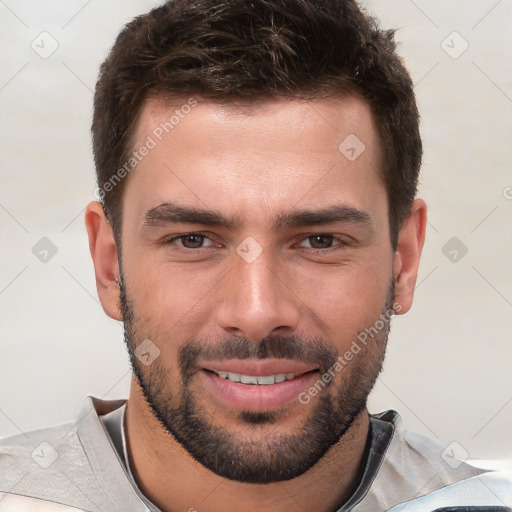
(257, 300)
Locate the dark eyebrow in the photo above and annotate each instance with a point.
(337, 213)
(171, 213)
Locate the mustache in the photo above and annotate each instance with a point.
(313, 351)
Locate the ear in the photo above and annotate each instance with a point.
(411, 238)
(104, 255)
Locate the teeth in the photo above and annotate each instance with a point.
(251, 379)
(248, 379)
(268, 379)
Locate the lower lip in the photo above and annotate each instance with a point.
(254, 397)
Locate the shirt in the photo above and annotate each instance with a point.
(83, 466)
(379, 438)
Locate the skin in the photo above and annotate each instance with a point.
(253, 162)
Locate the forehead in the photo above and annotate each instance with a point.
(318, 122)
(255, 156)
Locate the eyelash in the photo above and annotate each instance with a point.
(171, 240)
(342, 243)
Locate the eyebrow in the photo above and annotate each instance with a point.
(170, 213)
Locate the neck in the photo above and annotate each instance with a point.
(171, 479)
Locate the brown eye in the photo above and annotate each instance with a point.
(320, 241)
(192, 241)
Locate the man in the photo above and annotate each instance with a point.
(256, 232)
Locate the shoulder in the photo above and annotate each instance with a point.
(416, 469)
(489, 491)
(38, 451)
(68, 465)
(41, 464)
(15, 503)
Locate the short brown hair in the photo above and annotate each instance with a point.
(248, 50)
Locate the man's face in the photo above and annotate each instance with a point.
(252, 246)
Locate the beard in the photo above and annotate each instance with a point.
(257, 450)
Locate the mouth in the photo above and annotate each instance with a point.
(257, 385)
(262, 380)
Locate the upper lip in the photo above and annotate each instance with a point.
(258, 367)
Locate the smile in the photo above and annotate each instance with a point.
(263, 380)
(257, 385)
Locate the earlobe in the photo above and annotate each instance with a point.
(407, 257)
(104, 255)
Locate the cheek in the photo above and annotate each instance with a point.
(346, 299)
(171, 300)
(178, 302)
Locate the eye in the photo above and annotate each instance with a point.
(190, 240)
(321, 241)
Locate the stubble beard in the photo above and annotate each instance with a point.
(258, 455)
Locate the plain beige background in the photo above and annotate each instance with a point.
(448, 370)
